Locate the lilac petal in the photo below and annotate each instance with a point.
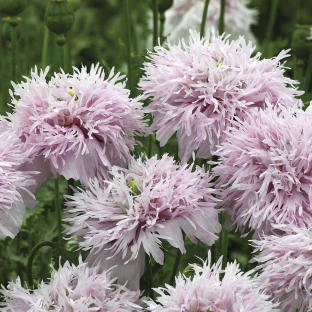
(127, 272)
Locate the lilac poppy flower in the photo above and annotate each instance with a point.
(123, 219)
(72, 288)
(264, 170)
(198, 89)
(80, 124)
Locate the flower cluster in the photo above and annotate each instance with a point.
(80, 124)
(220, 99)
(265, 172)
(286, 261)
(187, 14)
(152, 199)
(236, 292)
(16, 185)
(72, 288)
(197, 90)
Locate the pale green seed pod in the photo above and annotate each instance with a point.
(12, 7)
(59, 16)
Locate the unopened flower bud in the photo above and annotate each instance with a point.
(12, 7)
(164, 5)
(59, 16)
(301, 42)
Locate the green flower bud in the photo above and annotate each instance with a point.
(300, 45)
(59, 16)
(12, 7)
(6, 31)
(164, 5)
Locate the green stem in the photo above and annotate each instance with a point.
(149, 275)
(70, 184)
(221, 245)
(31, 259)
(175, 268)
(298, 12)
(217, 249)
(224, 240)
(25, 65)
(204, 18)
(128, 42)
(162, 19)
(69, 52)
(58, 210)
(17, 252)
(155, 22)
(160, 149)
(269, 29)
(221, 19)
(62, 57)
(149, 150)
(295, 67)
(14, 52)
(45, 46)
(308, 75)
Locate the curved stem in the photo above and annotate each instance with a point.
(31, 259)
(128, 42)
(155, 22)
(221, 20)
(203, 22)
